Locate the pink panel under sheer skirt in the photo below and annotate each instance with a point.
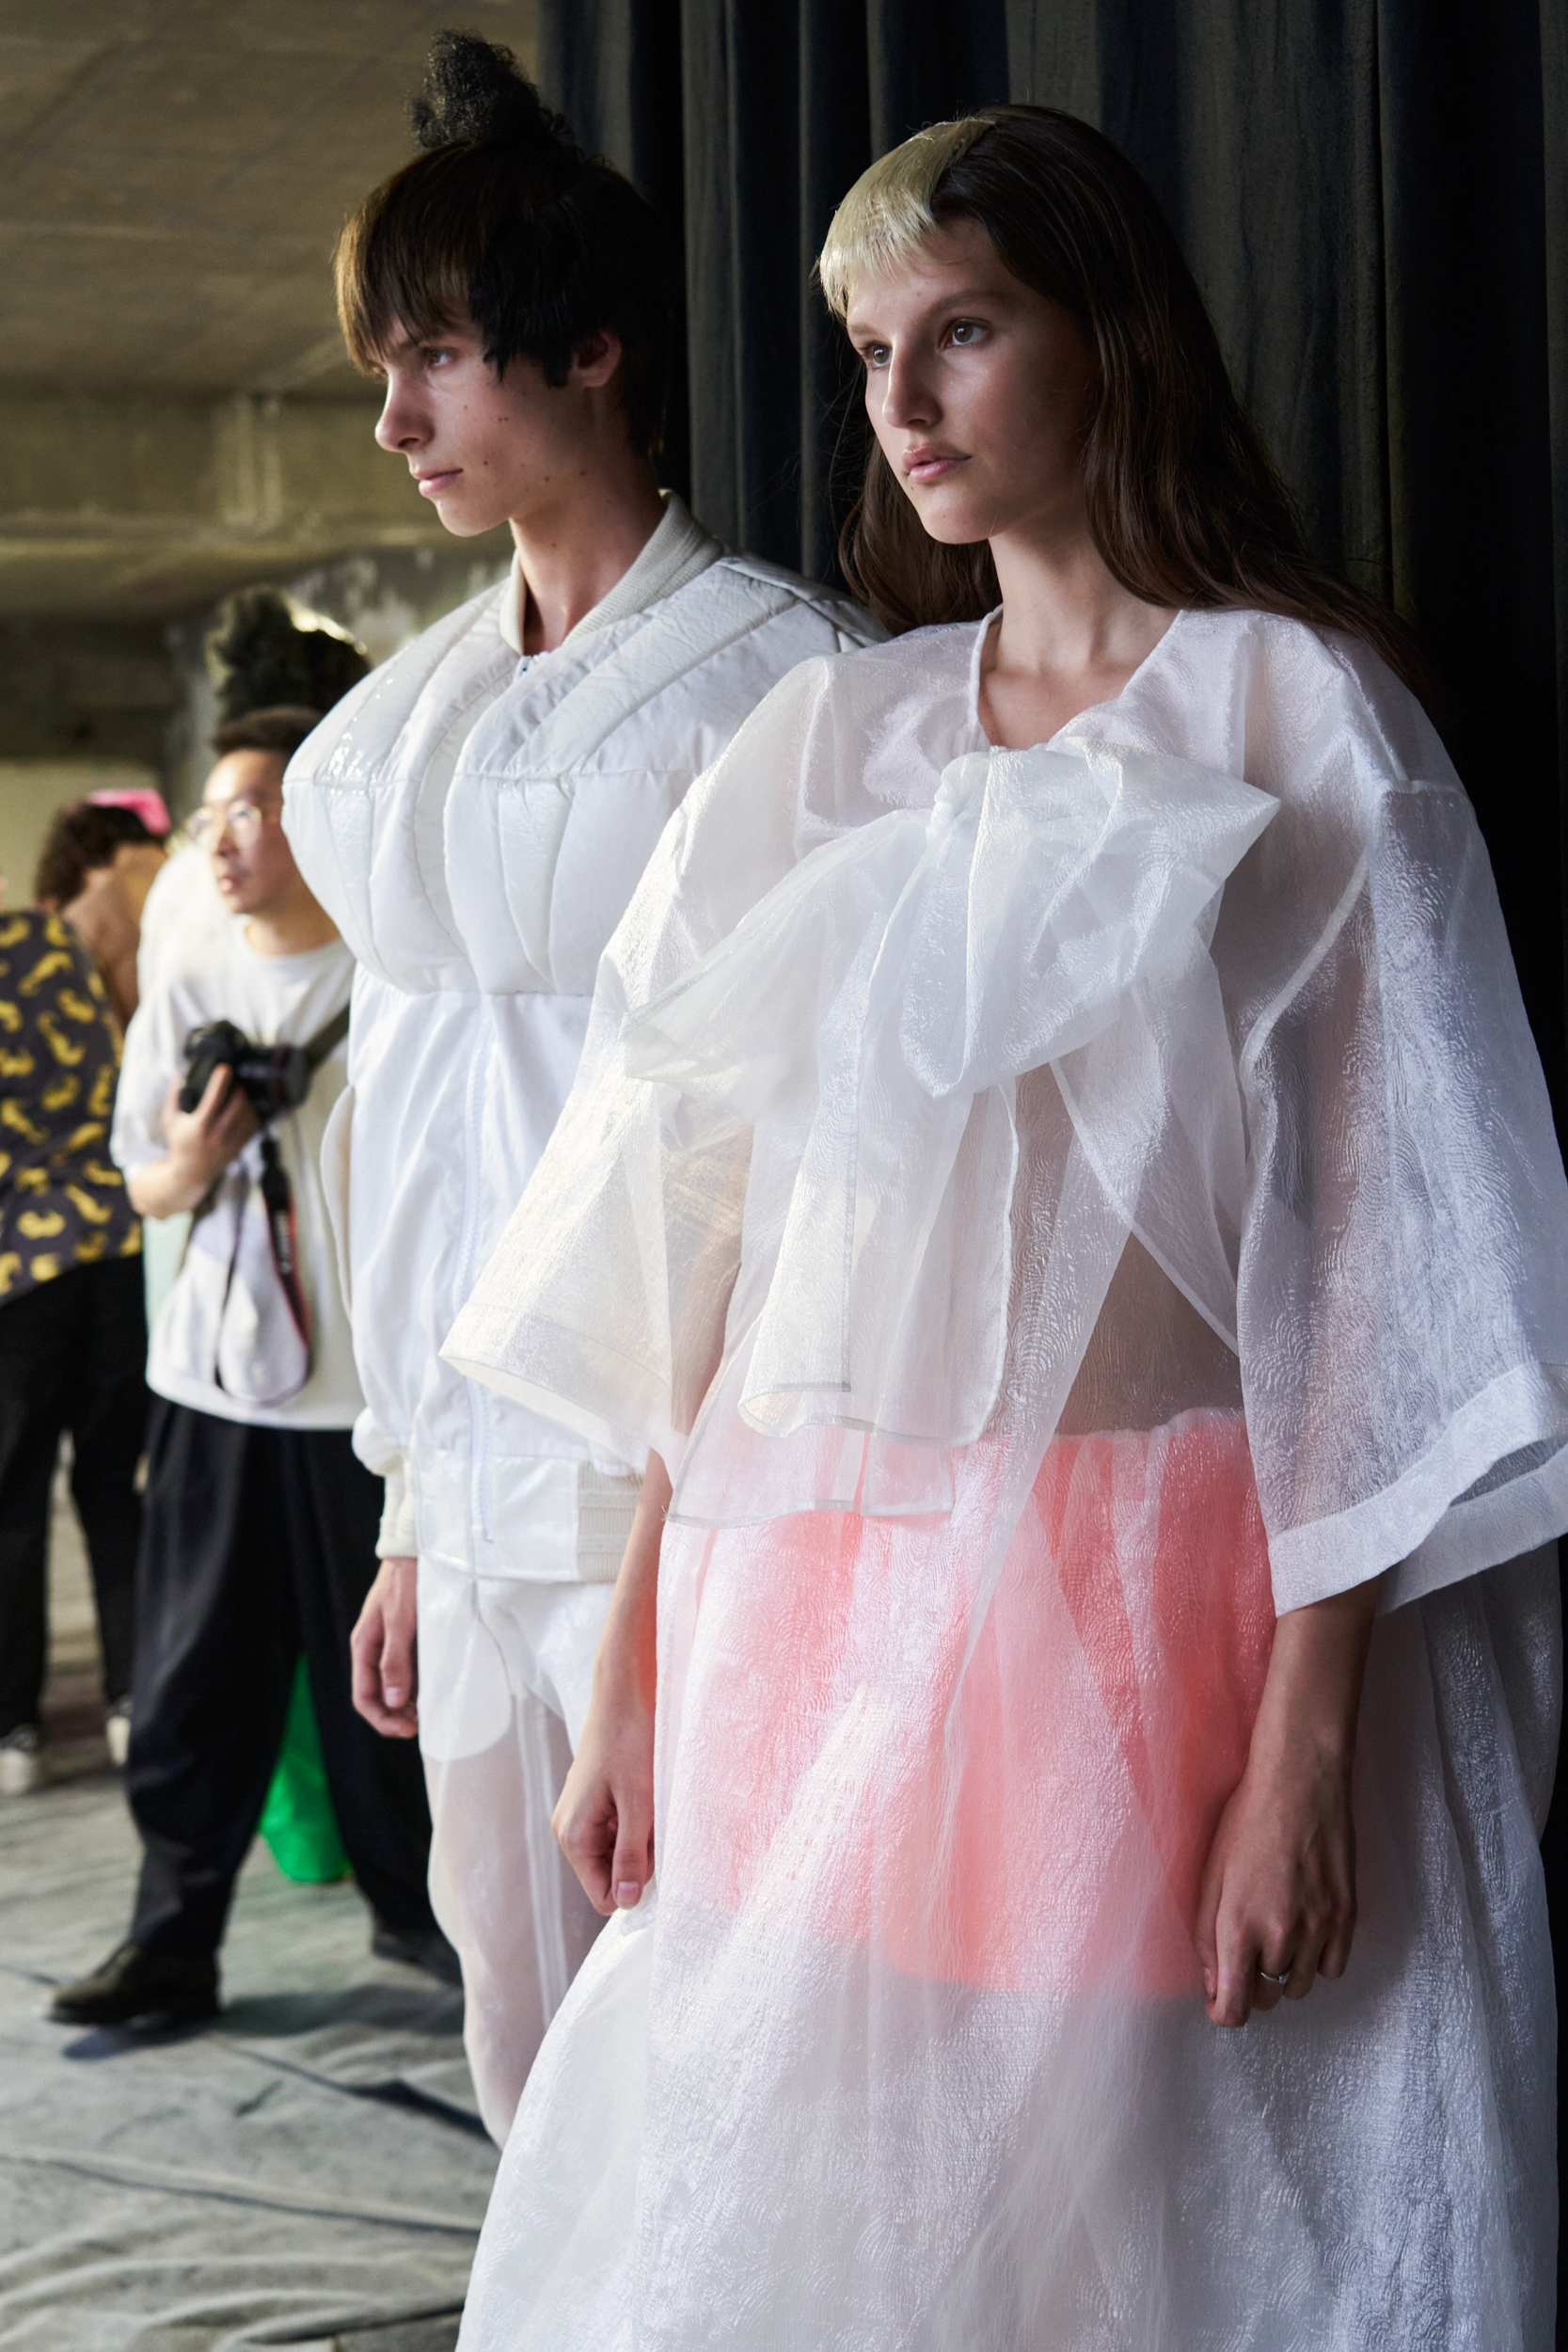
(987, 1785)
(907, 2051)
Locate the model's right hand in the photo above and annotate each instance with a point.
(604, 1821)
(385, 1652)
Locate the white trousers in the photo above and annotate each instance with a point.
(505, 1672)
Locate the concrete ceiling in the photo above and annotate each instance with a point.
(175, 412)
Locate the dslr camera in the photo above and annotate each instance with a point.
(275, 1077)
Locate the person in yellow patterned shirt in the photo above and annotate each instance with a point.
(73, 1329)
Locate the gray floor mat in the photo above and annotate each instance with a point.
(309, 2171)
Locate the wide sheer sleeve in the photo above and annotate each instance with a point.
(605, 1302)
(1403, 1306)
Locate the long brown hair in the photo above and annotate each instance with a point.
(1184, 500)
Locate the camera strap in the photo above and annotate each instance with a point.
(330, 1034)
(278, 1195)
(277, 1192)
(277, 1198)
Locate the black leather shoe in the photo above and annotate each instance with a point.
(176, 1988)
(418, 1947)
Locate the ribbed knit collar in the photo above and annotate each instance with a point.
(678, 550)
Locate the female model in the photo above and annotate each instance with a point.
(1061, 1179)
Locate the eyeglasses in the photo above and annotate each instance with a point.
(243, 819)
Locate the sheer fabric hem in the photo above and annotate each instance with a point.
(1429, 1527)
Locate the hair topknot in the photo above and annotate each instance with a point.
(473, 92)
(260, 656)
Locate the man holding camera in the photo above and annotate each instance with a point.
(259, 1525)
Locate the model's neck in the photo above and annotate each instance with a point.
(1065, 612)
(292, 928)
(573, 548)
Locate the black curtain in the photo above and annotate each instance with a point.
(1373, 196)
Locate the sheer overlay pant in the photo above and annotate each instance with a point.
(505, 1672)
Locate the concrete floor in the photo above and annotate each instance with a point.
(309, 2170)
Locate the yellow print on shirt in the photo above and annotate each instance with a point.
(64, 1049)
(61, 1202)
(57, 960)
(15, 1118)
(96, 1212)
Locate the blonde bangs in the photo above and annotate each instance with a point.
(887, 215)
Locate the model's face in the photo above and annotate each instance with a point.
(487, 449)
(977, 388)
(241, 829)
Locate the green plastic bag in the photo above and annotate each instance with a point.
(297, 1819)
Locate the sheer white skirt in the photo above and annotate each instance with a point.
(808, 2100)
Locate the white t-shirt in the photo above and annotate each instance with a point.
(182, 921)
(227, 1284)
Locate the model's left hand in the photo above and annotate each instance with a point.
(1278, 1890)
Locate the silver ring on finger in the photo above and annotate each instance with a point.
(1267, 1979)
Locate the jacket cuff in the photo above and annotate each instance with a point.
(399, 1539)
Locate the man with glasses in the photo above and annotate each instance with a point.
(260, 1526)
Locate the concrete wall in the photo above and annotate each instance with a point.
(75, 689)
(140, 507)
(124, 523)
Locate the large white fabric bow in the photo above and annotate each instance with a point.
(869, 1019)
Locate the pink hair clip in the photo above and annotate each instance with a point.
(141, 799)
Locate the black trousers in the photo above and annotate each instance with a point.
(256, 1544)
(71, 1355)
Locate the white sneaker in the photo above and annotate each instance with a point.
(116, 1731)
(22, 1761)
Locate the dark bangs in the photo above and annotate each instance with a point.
(541, 250)
(410, 254)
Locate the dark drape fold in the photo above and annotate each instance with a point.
(614, 69)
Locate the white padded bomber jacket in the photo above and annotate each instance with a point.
(475, 823)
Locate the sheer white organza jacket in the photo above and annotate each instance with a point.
(1054, 1210)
